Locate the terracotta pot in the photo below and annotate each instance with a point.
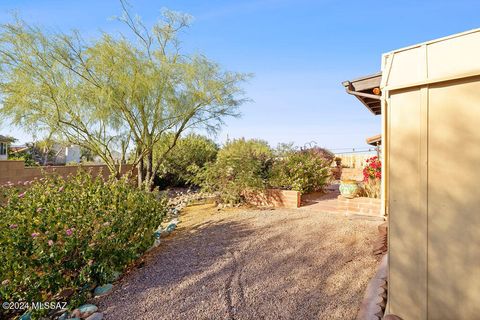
(349, 188)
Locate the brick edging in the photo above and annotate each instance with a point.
(375, 298)
(360, 205)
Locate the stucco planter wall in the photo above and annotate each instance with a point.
(274, 198)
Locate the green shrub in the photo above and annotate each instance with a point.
(304, 171)
(190, 155)
(24, 156)
(57, 234)
(241, 165)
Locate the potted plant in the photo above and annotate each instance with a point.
(338, 161)
(349, 188)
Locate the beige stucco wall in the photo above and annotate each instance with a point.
(432, 113)
(16, 172)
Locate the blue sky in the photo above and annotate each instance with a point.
(299, 50)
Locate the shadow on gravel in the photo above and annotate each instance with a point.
(184, 268)
(286, 269)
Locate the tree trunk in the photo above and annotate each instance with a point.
(149, 172)
(140, 168)
(140, 171)
(45, 156)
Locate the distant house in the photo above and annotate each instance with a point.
(4, 145)
(56, 154)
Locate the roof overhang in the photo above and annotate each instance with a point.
(367, 90)
(16, 149)
(375, 140)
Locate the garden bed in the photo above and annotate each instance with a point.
(276, 198)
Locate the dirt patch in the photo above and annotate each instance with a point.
(251, 264)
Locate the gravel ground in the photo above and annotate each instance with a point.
(251, 264)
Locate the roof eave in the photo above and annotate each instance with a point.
(362, 88)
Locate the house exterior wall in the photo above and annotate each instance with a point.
(431, 98)
(3, 151)
(72, 154)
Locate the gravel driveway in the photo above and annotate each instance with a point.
(251, 264)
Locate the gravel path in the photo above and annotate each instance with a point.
(251, 264)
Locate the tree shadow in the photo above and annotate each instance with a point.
(228, 269)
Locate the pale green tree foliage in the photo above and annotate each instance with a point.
(120, 92)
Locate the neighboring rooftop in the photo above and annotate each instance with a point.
(367, 90)
(6, 139)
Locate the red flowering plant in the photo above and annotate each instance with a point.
(372, 175)
(373, 170)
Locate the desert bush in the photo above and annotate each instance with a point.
(186, 159)
(323, 153)
(240, 165)
(304, 171)
(371, 188)
(372, 175)
(72, 233)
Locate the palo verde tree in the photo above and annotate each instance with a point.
(123, 92)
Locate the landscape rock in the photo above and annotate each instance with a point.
(102, 290)
(171, 227)
(64, 316)
(95, 316)
(158, 233)
(75, 314)
(26, 316)
(85, 310)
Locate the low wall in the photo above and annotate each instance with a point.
(360, 205)
(352, 174)
(274, 198)
(15, 171)
(355, 160)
